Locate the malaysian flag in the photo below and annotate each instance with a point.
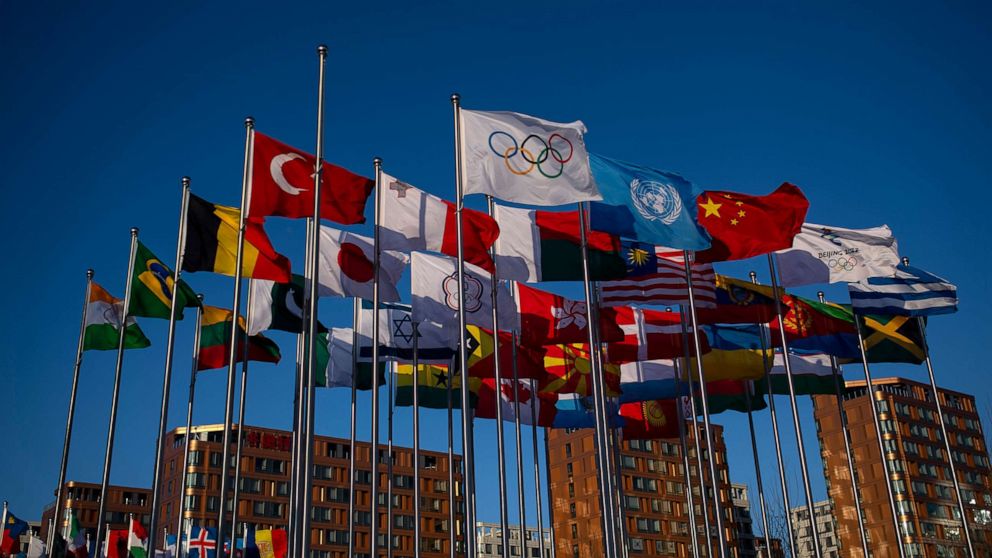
(657, 276)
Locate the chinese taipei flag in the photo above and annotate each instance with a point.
(524, 159)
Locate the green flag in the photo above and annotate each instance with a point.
(152, 288)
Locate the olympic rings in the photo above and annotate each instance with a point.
(552, 149)
(842, 263)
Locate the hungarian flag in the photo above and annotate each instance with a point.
(415, 220)
(212, 243)
(282, 185)
(648, 335)
(730, 395)
(548, 319)
(346, 266)
(743, 226)
(739, 302)
(811, 375)
(569, 370)
(103, 323)
(650, 419)
(480, 345)
(152, 288)
(136, 536)
(215, 341)
(432, 390)
(546, 246)
(526, 392)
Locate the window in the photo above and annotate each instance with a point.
(429, 462)
(323, 472)
(571, 510)
(568, 450)
(216, 458)
(575, 530)
(632, 503)
(643, 484)
(196, 480)
(568, 469)
(271, 466)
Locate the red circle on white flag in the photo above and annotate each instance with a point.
(354, 263)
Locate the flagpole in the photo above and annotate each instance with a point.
(374, 456)
(416, 442)
(504, 522)
(189, 424)
(232, 349)
(64, 463)
(468, 475)
(687, 468)
(306, 476)
(519, 442)
(115, 398)
(537, 464)
(618, 475)
(607, 520)
(835, 369)
(241, 415)
(299, 402)
(389, 459)
(356, 308)
(757, 465)
(451, 466)
(804, 468)
(775, 432)
(869, 384)
(613, 474)
(163, 415)
(943, 431)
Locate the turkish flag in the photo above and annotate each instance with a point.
(650, 419)
(282, 185)
(550, 319)
(743, 226)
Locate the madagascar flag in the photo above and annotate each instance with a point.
(215, 336)
(212, 244)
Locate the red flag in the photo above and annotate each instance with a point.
(282, 185)
(650, 419)
(548, 319)
(648, 335)
(485, 406)
(808, 319)
(739, 302)
(569, 370)
(481, 364)
(743, 226)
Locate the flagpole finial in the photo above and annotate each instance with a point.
(377, 161)
(753, 276)
(905, 260)
(819, 295)
(90, 273)
(134, 231)
(249, 122)
(322, 50)
(455, 97)
(199, 296)
(185, 181)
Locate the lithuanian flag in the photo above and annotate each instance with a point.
(215, 337)
(212, 244)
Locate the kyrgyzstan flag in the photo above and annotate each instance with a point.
(282, 185)
(548, 319)
(650, 419)
(743, 226)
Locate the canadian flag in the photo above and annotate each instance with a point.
(415, 220)
(282, 185)
(543, 413)
(549, 319)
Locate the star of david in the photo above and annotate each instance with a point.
(403, 328)
(400, 188)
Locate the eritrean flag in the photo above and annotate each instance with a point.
(215, 337)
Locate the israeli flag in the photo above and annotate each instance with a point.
(910, 292)
(645, 204)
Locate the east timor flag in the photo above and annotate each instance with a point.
(215, 339)
(212, 244)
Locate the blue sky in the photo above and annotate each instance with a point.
(879, 112)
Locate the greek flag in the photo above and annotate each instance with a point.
(910, 292)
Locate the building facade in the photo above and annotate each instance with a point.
(743, 524)
(83, 500)
(489, 541)
(655, 507)
(826, 529)
(915, 461)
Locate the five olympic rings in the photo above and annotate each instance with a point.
(547, 150)
(842, 263)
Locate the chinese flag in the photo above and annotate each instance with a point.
(282, 185)
(650, 419)
(743, 226)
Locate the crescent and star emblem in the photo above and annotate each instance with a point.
(292, 306)
(275, 168)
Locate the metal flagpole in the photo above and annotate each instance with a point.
(618, 475)
(551, 501)
(700, 470)
(416, 442)
(451, 465)
(537, 465)
(468, 475)
(112, 429)
(607, 522)
(189, 425)
(943, 431)
(374, 533)
(232, 349)
(519, 444)
(717, 505)
(241, 417)
(389, 461)
(163, 415)
(306, 473)
(847, 447)
(775, 433)
(299, 406)
(804, 468)
(687, 468)
(504, 522)
(757, 466)
(881, 443)
(356, 308)
(59, 488)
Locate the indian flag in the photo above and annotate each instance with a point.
(103, 320)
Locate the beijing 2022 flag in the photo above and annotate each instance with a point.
(524, 159)
(821, 254)
(649, 205)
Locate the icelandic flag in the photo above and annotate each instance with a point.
(649, 205)
(202, 543)
(910, 292)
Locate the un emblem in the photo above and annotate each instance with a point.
(656, 201)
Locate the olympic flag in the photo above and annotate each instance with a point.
(524, 159)
(823, 254)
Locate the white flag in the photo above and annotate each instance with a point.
(36, 547)
(434, 289)
(346, 268)
(396, 335)
(523, 159)
(822, 254)
(340, 367)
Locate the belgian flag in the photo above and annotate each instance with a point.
(215, 341)
(212, 244)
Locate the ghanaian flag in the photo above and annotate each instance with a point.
(215, 341)
(212, 243)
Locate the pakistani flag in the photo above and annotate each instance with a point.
(152, 288)
(103, 321)
(276, 306)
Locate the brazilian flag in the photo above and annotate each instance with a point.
(152, 288)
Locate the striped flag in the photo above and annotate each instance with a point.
(666, 285)
(910, 292)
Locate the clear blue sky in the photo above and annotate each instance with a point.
(880, 113)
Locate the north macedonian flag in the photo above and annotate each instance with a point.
(212, 244)
(152, 288)
(215, 338)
